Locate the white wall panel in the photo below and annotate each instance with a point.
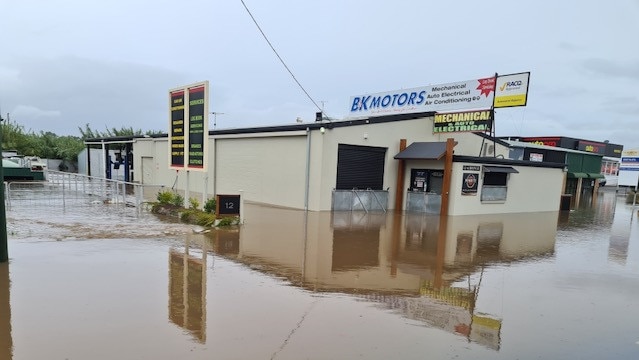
(268, 170)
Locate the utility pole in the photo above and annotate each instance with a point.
(4, 249)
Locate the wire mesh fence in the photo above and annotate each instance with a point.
(62, 190)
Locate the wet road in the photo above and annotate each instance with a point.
(94, 283)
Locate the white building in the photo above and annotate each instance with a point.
(378, 163)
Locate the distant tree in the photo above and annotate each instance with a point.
(68, 147)
(13, 135)
(88, 133)
(51, 146)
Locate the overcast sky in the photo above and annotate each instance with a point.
(110, 64)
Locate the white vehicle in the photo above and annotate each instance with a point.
(35, 163)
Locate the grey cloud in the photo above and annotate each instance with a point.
(627, 105)
(562, 92)
(64, 93)
(563, 45)
(609, 68)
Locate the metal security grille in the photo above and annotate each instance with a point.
(360, 167)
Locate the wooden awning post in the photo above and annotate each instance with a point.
(399, 188)
(448, 170)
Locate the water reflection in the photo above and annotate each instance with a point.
(6, 342)
(423, 267)
(598, 213)
(620, 230)
(603, 214)
(187, 289)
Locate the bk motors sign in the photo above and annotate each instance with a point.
(463, 95)
(492, 92)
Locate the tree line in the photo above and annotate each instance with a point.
(49, 145)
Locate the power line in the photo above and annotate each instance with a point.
(280, 58)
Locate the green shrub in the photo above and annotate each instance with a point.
(194, 216)
(165, 197)
(193, 203)
(177, 200)
(209, 205)
(205, 219)
(188, 216)
(228, 221)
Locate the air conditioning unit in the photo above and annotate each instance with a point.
(489, 150)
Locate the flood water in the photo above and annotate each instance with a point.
(99, 282)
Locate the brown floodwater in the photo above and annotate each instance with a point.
(105, 282)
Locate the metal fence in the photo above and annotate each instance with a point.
(63, 189)
(423, 202)
(357, 200)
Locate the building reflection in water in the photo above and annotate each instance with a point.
(6, 342)
(620, 230)
(456, 250)
(423, 267)
(604, 213)
(187, 288)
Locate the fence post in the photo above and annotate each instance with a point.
(7, 191)
(124, 194)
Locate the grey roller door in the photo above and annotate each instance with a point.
(360, 167)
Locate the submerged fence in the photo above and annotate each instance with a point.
(71, 189)
(356, 200)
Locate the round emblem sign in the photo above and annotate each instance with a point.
(471, 181)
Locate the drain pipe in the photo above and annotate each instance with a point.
(308, 168)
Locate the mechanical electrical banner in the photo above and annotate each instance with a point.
(468, 121)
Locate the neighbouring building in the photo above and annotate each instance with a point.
(610, 153)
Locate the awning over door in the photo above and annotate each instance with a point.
(500, 169)
(423, 151)
(577, 175)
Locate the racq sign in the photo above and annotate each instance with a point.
(471, 94)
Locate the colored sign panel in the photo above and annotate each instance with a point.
(469, 184)
(629, 168)
(189, 127)
(176, 135)
(536, 157)
(614, 150)
(629, 164)
(512, 90)
(591, 147)
(549, 141)
(464, 95)
(197, 127)
(468, 121)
